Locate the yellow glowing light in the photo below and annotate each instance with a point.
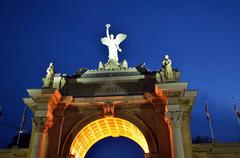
(103, 128)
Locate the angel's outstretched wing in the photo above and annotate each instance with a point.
(120, 37)
(105, 41)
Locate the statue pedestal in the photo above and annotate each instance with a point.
(113, 65)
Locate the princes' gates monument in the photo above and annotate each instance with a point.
(73, 112)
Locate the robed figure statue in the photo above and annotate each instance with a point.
(113, 44)
(50, 76)
(167, 68)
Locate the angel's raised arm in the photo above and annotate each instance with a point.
(107, 30)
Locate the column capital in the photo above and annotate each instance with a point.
(176, 118)
(42, 124)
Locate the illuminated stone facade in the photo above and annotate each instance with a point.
(79, 110)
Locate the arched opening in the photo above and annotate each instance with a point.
(115, 147)
(103, 128)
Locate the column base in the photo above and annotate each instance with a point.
(151, 155)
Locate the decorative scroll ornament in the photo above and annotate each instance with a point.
(176, 118)
(42, 124)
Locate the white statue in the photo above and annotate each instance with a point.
(49, 76)
(124, 64)
(100, 66)
(113, 44)
(167, 68)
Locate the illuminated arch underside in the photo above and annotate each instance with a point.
(103, 128)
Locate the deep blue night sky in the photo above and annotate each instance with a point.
(201, 37)
(121, 147)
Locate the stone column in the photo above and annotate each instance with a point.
(176, 118)
(186, 134)
(42, 102)
(40, 129)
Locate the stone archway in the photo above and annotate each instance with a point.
(135, 127)
(103, 128)
(161, 114)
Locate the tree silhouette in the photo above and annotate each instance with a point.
(201, 139)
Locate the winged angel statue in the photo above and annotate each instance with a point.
(113, 44)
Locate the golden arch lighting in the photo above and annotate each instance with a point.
(103, 128)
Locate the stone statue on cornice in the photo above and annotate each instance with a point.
(50, 76)
(167, 68)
